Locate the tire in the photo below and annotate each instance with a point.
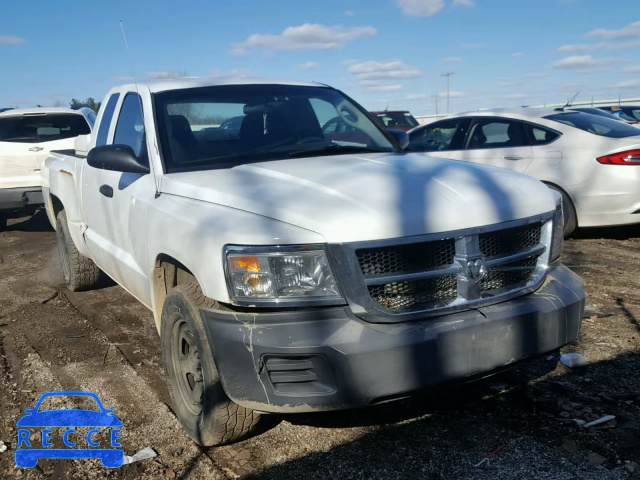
(569, 211)
(203, 408)
(80, 272)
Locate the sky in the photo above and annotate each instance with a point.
(383, 53)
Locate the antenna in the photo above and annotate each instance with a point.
(569, 102)
(133, 66)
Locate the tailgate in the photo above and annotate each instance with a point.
(19, 166)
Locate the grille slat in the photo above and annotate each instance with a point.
(414, 295)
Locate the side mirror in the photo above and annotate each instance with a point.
(401, 137)
(81, 145)
(119, 158)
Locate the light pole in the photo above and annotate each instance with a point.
(448, 75)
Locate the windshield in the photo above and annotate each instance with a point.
(214, 127)
(395, 120)
(604, 127)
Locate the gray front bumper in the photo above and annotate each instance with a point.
(12, 199)
(327, 359)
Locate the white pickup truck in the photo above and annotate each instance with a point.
(26, 138)
(295, 268)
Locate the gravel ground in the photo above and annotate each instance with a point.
(104, 341)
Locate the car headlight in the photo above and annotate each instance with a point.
(557, 237)
(277, 275)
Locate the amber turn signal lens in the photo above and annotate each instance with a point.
(245, 264)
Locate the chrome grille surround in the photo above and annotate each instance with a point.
(400, 279)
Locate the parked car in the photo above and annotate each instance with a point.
(592, 161)
(628, 112)
(602, 113)
(26, 138)
(400, 120)
(290, 271)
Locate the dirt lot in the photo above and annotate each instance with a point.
(104, 341)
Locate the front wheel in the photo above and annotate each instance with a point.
(80, 272)
(199, 401)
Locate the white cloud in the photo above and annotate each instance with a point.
(11, 40)
(452, 60)
(516, 54)
(473, 46)
(165, 75)
(632, 70)
(453, 94)
(584, 63)
(350, 13)
(384, 71)
(308, 66)
(630, 31)
(420, 8)
(375, 86)
(427, 8)
(416, 96)
(581, 48)
(537, 75)
(631, 84)
(305, 37)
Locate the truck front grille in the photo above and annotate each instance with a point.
(460, 270)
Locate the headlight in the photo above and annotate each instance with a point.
(557, 237)
(271, 275)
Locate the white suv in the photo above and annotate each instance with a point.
(26, 138)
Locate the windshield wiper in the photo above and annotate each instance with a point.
(336, 149)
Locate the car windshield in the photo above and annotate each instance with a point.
(42, 128)
(397, 119)
(76, 402)
(215, 127)
(604, 127)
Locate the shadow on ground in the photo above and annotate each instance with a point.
(458, 427)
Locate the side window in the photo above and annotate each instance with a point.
(130, 127)
(496, 133)
(435, 138)
(103, 130)
(539, 135)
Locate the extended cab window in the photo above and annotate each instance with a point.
(42, 128)
(130, 127)
(105, 123)
(496, 133)
(437, 137)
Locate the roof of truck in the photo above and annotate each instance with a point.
(37, 111)
(195, 82)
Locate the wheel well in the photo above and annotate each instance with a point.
(56, 206)
(168, 274)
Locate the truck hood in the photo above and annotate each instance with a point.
(348, 198)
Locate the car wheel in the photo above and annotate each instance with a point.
(199, 401)
(569, 211)
(80, 272)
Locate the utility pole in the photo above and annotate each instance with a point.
(448, 75)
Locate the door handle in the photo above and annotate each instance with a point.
(35, 149)
(513, 157)
(106, 190)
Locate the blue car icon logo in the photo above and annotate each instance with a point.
(27, 455)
